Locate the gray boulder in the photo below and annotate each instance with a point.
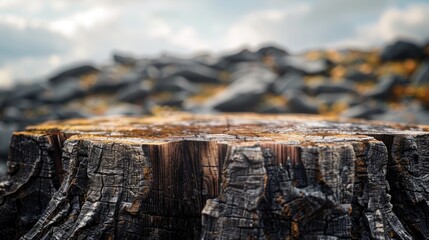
(290, 81)
(302, 65)
(175, 84)
(245, 92)
(384, 90)
(64, 91)
(401, 50)
(421, 76)
(364, 110)
(135, 93)
(195, 73)
(72, 72)
(331, 88)
(299, 102)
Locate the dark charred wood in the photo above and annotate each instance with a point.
(217, 177)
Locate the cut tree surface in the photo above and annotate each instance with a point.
(236, 176)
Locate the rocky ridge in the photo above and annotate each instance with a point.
(380, 84)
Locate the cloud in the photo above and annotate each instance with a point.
(40, 35)
(186, 37)
(297, 27)
(5, 78)
(332, 23)
(83, 21)
(29, 49)
(263, 26)
(411, 22)
(393, 23)
(20, 38)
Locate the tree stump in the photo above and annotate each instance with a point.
(236, 176)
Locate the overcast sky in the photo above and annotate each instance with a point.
(38, 36)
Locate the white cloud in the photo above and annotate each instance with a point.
(159, 29)
(29, 68)
(5, 78)
(330, 24)
(21, 38)
(394, 23)
(299, 27)
(82, 21)
(19, 23)
(255, 28)
(411, 22)
(185, 37)
(92, 29)
(189, 38)
(5, 4)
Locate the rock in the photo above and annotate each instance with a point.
(384, 90)
(168, 60)
(3, 167)
(147, 71)
(302, 65)
(133, 77)
(4, 94)
(272, 51)
(12, 114)
(237, 99)
(134, 93)
(364, 110)
(206, 59)
(176, 100)
(412, 113)
(244, 92)
(27, 91)
(332, 88)
(111, 82)
(195, 73)
(235, 71)
(170, 81)
(198, 109)
(26, 104)
(299, 102)
(331, 98)
(401, 50)
(6, 131)
(358, 76)
(274, 109)
(75, 71)
(63, 113)
(22, 110)
(123, 59)
(290, 81)
(64, 91)
(175, 84)
(421, 76)
(243, 56)
(25, 112)
(125, 110)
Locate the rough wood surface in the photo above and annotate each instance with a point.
(217, 177)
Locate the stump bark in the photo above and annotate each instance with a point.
(242, 176)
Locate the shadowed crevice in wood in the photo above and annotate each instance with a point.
(408, 177)
(30, 185)
(221, 176)
(56, 141)
(262, 198)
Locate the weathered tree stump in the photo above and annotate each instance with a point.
(217, 177)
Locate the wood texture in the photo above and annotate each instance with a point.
(231, 176)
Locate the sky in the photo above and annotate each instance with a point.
(40, 36)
